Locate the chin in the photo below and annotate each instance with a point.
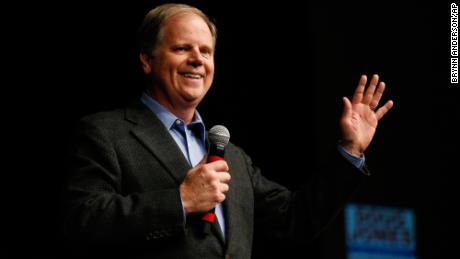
(195, 93)
(193, 98)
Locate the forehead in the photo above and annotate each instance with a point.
(187, 27)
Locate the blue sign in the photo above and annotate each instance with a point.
(379, 232)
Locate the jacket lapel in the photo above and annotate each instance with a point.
(156, 138)
(218, 232)
(238, 205)
(228, 207)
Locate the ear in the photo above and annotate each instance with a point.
(145, 60)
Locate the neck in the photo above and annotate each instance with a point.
(184, 111)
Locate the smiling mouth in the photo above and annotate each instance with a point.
(192, 75)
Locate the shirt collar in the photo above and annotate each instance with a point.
(168, 119)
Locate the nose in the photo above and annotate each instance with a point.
(195, 59)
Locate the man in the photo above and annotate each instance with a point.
(139, 181)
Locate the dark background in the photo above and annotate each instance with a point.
(281, 70)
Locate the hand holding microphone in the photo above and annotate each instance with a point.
(219, 137)
(206, 184)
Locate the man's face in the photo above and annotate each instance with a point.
(182, 66)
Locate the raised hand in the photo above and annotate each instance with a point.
(360, 116)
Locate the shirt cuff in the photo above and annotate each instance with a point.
(359, 162)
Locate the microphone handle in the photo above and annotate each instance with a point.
(209, 217)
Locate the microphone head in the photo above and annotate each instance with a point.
(219, 136)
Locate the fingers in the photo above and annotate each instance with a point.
(217, 174)
(217, 177)
(204, 186)
(369, 94)
(358, 95)
(218, 166)
(223, 177)
(377, 95)
(384, 109)
(347, 108)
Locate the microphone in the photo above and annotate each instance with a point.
(219, 137)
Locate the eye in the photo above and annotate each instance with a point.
(206, 51)
(181, 49)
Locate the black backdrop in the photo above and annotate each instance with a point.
(281, 69)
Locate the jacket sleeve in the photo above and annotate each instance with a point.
(95, 208)
(302, 214)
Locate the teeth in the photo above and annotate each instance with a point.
(194, 76)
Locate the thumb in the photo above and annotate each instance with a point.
(346, 107)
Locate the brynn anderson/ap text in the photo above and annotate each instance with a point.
(454, 43)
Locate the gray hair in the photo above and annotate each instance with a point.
(150, 32)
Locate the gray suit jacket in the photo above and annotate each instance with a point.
(122, 197)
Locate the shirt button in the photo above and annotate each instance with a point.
(178, 122)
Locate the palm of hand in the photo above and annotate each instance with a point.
(360, 116)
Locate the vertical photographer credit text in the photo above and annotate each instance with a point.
(453, 43)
